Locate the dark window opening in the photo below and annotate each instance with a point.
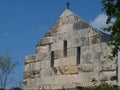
(49, 47)
(78, 55)
(65, 49)
(52, 59)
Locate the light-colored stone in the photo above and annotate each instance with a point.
(46, 40)
(86, 57)
(87, 67)
(71, 69)
(108, 75)
(65, 61)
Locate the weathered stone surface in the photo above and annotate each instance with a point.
(46, 72)
(51, 69)
(71, 52)
(58, 37)
(29, 58)
(97, 56)
(37, 65)
(71, 70)
(87, 67)
(80, 25)
(108, 65)
(57, 54)
(46, 40)
(104, 76)
(65, 70)
(42, 49)
(45, 64)
(65, 61)
(96, 39)
(42, 56)
(26, 67)
(28, 74)
(57, 46)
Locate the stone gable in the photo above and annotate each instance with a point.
(70, 55)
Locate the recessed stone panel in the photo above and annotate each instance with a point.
(65, 61)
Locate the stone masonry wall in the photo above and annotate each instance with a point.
(66, 71)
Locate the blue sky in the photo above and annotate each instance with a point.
(24, 22)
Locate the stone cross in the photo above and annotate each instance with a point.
(68, 4)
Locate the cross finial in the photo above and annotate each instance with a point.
(68, 4)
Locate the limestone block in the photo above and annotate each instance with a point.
(46, 40)
(37, 73)
(57, 46)
(45, 64)
(65, 70)
(56, 87)
(30, 83)
(30, 58)
(108, 65)
(96, 47)
(35, 83)
(80, 25)
(37, 65)
(46, 72)
(42, 56)
(29, 66)
(86, 54)
(26, 67)
(97, 56)
(75, 35)
(85, 32)
(84, 41)
(38, 56)
(58, 37)
(81, 41)
(68, 20)
(58, 71)
(106, 50)
(91, 32)
(65, 61)
(61, 79)
(91, 53)
(64, 80)
(42, 49)
(71, 70)
(57, 54)
(81, 33)
(86, 67)
(71, 52)
(71, 43)
(96, 39)
(66, 28)
(47, 87)
(104, 76)
(27, 74)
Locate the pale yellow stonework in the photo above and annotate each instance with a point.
(86, 57)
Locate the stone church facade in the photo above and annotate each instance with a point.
(71, 54)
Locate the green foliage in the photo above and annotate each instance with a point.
(112, 10)
(6, 68)
(16, 88)
(2, 89)
(94, 81)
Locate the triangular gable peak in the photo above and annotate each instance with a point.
(69, 22)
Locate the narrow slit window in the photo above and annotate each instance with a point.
(49, 47)
(52, 59)
(65, 49)
(78, 55)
